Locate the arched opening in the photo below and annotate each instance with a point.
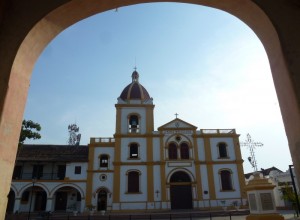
(134, 125)
(226, 180)
(181, 191)
(102, 200)
(172, 151)
(133, 181)
(184, 151)
(67, 198)
(222, 150)
(58, 19)
(104, 160)
(11, 202)
(34, 199)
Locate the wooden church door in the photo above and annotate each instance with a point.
(181, 191)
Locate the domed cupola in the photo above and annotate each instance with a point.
(135, 91)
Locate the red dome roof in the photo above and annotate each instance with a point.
(135, 90)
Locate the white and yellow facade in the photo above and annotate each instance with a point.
(175, 167)
(139, 169)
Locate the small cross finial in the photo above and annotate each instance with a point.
(134, 68)
(176, 115)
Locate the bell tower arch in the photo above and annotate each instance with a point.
(134, 109)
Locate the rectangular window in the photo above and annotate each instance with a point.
(133, 151)
(37, 172)
(61, 171)
(133, 182)
(77, 169)
(17, 172)
(223, 150)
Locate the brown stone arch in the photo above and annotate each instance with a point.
(24, 35)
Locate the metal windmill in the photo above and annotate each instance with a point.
(74, 136)
(251, 145)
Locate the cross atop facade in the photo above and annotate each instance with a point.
(176, 115)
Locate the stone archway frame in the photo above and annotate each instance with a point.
(188, 172)
(24, 188)
(191, 187)
(101, 188)
(74, 186)
(56, 188)
(13, 188)
(36, 185)
(108, 195)
(169, 175)
(22, 57)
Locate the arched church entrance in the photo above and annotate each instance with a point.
(181, 191)
(102, 200)
(11, 202)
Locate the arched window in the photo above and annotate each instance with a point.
(222, 150)
(172, 151)
(133, 182)
(133, 151)
(184, 151)
(104, 160)
(226, 180)
(134, 126)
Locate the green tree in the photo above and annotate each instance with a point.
(288, 194)
(29, 130)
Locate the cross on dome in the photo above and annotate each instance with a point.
(135, 91)
(135, 75)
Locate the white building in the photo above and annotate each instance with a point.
(49, 177)
(283, 184)
(176, 166)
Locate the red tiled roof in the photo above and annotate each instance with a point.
(66, 153)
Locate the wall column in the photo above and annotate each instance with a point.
(197, 169)
(49, 205)
(17, 205)
(210, 171)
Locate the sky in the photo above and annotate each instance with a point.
(202, 63)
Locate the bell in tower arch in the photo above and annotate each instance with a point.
(133, 124)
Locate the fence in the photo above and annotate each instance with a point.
(228, 215)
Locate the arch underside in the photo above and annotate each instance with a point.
(23, 38)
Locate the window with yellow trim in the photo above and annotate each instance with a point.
(133, 182)
(104, 160)
(226, 180)
(222, 148)
(172, 151)
(134, 125)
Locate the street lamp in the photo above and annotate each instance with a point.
(29, 211)
(295, 189)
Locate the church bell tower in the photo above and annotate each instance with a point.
(134, 109)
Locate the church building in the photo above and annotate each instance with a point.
(175, 167)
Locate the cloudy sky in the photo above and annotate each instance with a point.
(199, 62)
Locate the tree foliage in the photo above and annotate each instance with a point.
(29, 130)
(288, 194)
